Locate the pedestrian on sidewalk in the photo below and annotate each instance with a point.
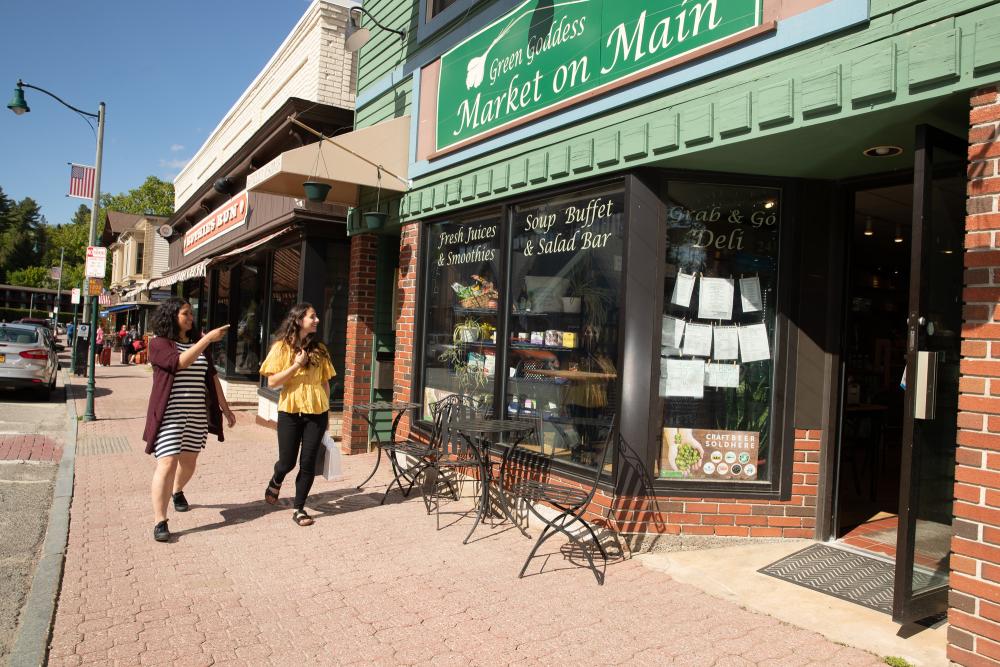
(185, 405)
(301, 366)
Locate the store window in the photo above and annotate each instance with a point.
(284, 287)
(249, 326)
(460, 320)
(717, 338)
(333, 312)
(565, 277)
(220, 315)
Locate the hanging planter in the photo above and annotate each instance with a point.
(375, 220)
(316, 191)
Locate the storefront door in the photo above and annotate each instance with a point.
(934, 324)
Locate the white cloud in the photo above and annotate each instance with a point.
(173, 164)
(176, 147)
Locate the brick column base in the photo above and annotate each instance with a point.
(974, 599)
(358, 355)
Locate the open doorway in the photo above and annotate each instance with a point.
(875, 326)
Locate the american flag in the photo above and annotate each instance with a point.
(81, 181)
(104, 298)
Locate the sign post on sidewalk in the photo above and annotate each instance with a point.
(71, 340)
(96, 267)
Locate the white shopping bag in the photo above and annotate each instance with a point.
(328, 459)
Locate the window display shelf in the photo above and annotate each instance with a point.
(541, 313)
(459, 310)
(550, 348)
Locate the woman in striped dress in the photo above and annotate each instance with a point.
(185, 405)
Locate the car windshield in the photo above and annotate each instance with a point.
(21, 335)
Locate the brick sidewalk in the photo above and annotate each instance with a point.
(243, 585)
(32, 447)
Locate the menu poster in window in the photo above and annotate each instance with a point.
(684, 378)
(750, 300)
(672, 332)
(727, 344)
(709, 454)
(753, 343)
(715, 299)
(698, 340)
(722, 375)
(683, 289)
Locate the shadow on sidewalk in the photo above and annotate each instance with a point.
(79, 389)
(322, 505)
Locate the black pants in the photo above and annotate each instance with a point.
(299, 436)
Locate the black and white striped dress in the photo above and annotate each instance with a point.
(185, 421)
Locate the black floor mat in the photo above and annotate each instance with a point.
(843, 574)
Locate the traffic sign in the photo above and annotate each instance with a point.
(97, 261)
(94, 286)
(74, 296)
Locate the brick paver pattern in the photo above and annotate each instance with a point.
(32, 447)
(241, 584)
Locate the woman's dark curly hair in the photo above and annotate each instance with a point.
(288, 331)
(165, 319)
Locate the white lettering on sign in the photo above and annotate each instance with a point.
(222, 220)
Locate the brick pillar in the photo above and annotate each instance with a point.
(409, 256)
(358, 356)
(974, 599)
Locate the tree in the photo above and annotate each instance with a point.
(32, 276)
(23, 238)
(72, 237)
(153, 197)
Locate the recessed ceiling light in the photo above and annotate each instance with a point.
(770, 203)
(882, 151)
(868, 226)
(899, 235)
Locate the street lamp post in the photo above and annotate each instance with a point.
(19, 106)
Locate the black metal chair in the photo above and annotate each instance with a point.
(450, 451)
(525, 475)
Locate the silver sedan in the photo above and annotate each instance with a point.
(28, 359)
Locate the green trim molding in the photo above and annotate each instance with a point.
(912, 56)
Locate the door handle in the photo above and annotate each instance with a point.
(925, 390)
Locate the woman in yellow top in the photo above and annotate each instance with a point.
(300, 365)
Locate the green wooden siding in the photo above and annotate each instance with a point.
(909, 54)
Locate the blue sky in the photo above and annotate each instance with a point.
(168, 72)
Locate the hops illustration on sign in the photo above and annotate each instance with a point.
(476, 68)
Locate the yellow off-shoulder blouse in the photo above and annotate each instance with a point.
(303, 392)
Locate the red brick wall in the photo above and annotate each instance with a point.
(403, 372)
(974, 614)
(730, 517)
(358, 357)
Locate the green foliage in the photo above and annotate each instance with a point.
(11, 314)
(32, 276)
(23, 237)
(894, 661)
(153, 197)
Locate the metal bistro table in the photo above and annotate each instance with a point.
(368, 411)
(481, 434)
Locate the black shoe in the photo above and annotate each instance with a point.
(180, 502)
(160, 532)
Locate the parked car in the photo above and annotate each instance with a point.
(27, 359)
(36, 320)
(43, 326)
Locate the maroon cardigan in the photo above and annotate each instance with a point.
(165, 358)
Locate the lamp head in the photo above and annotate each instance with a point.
(17, 103)
(356, 35)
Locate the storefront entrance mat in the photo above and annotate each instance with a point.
(843, 574)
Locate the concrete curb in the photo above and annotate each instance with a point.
(32, 643)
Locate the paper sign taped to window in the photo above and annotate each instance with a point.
(683, 289)
(753, 343)
(715, 299)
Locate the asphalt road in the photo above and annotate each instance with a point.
(25, 499)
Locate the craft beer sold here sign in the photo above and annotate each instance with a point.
(546, 54)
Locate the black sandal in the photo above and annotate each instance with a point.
(271, 493)
(301, 518)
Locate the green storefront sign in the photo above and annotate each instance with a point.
(549, 53)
